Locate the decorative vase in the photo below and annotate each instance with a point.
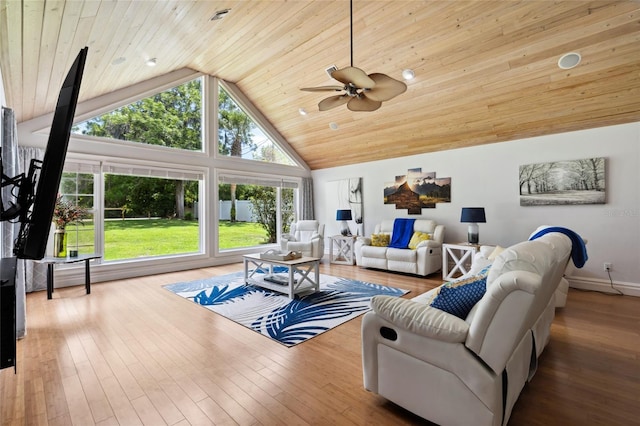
(59, 243)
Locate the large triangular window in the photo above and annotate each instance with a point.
(172, 118)
(240, 136)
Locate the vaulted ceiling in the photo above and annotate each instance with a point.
(486, 71)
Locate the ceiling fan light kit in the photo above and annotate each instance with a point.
(408, 74)
(362, 92)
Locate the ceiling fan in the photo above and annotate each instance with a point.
(362, 92)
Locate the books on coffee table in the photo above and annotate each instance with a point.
(279, 279)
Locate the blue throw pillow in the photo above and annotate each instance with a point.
(458, 298)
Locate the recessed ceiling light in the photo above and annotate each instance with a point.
(152, 62)
(118, 61)
(569, 60)
(220, 14)
(408, 74)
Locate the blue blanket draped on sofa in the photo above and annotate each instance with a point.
(578, 247)
(402, 232)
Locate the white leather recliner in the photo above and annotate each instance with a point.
(306, 236)
(470, 371)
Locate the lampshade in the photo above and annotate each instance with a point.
(343, 215)
(473, 215)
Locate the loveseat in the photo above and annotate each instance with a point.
(423, 259)
(468, 366)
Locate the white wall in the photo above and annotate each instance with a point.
(488, 176)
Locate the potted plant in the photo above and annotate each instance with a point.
(64, 213)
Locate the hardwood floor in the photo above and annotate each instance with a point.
(133, 353)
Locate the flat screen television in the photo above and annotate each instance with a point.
(36, 223)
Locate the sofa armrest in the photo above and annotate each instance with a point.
(429, 244)
(285, 239)
(357, 247)
(364, 241)
(438, 234)
(420, 318)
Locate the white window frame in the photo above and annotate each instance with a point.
(279, 182)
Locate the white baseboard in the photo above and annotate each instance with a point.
(604, 286)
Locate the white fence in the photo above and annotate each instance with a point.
(244, 211)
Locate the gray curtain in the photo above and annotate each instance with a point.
(10, 169)
(30, 276)
(306, 198)
(10, 228)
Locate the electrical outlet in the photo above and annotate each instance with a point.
(607, 266)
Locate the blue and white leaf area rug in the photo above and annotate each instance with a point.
(273, 314)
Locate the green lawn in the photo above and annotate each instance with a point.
(240, 234)
(129, 239)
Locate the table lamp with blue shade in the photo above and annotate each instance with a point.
(473, 216)
(343, 216)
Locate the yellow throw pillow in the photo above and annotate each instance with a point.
(380, 240)
(495, 253)
(417, 238)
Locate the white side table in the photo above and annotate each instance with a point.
(342, 250)
(462, 256)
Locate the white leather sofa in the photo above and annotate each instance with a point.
(483, 258)
(424, 260)
(469, 371)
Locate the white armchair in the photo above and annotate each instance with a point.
(306, 236)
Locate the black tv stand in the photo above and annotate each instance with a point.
(8, 313)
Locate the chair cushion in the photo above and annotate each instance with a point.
(305, 248)
(419, 318)
(401, 255)
(458, 297)
(305, 230)
(375, 252)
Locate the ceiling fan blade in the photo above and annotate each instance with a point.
(323, 89)
(332, 102)
(355, 76)
(386, 88)
(361, 103)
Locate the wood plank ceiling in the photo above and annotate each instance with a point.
(486, 71)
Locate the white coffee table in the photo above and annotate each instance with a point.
(303, 274)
